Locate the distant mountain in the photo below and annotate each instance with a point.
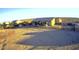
(43, 19)
(65, 19)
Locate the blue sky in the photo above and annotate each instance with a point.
(9, 14)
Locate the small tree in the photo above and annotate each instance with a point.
(4, 25)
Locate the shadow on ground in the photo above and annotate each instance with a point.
(51, 38)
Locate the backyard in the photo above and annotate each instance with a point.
(38, 39)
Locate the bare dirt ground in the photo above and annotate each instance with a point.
(38, 39)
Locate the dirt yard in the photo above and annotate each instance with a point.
(10, 37)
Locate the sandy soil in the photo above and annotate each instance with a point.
(38, 39)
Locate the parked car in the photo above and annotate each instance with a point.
(77, 26)
(69, 26)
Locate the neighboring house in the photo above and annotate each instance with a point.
(54, 22)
